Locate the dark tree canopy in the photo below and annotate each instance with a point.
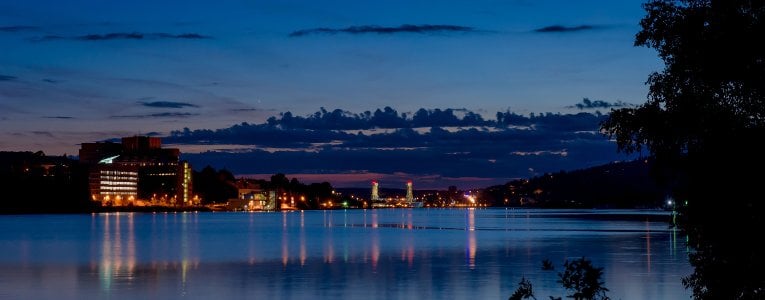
(704, 121)
(713, 82)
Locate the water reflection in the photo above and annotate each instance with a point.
(285, 240)
(118, 257)
(472, 246)
(302, 239)
(386, 254)
(648, 245)
(375, 241)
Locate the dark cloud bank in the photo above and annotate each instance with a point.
(561, 28)
(7, 77)
(156, 115)
(18, 28)
(595, 104)
(127, 36)
(406, 28)
(167, 104)
(449, 143)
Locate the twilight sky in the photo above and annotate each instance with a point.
(82, 71)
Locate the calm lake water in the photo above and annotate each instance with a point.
(341, 254)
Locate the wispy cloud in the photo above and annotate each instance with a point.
(245, 109)
(167, 104)
(157, 115)
(561, 28)
(59, 117)
(7, 77)
(126, 36)
(592, 104)
(43, 133)
(365, 29)
(18, 28)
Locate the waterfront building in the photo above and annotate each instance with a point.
(251, 196)
(137, 171)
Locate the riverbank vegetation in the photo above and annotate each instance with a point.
(703, 123)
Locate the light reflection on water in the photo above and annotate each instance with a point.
(368, 254)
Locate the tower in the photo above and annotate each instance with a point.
(375, 194)
(409, 194)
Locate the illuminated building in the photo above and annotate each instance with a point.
(375, 193)
(409, 194)
(137, 171)
(251, 197)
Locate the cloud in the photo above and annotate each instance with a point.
(126, 36)
(18, 28)
(157, 115)
(245, 109)
(406, 28)
(167, 104)
(43, 133)
(48, 80)
(590, 104)
(7, 77)
(560, 28)
(387, 142)
(58, 117)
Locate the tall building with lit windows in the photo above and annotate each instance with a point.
(137, 171)
(375, 192)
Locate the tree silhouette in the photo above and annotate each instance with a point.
(524, 291)
(703, 121)
(579, 276)
(583, 279)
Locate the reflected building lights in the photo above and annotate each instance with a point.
(285, 240)
(410, 254)
(375, 250)
(648, 245)
(302, 239)
(118, 256)
(251, 241)
(471, 242)
(329, 249)
(185, 247)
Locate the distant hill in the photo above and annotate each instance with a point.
(618, 185)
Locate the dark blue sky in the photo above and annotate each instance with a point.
(79, 71)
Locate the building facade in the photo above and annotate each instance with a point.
(137, 171)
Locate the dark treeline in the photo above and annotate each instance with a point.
(214, 186)
(615, 185)
(32, 182)
(219, 186)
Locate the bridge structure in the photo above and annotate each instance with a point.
(408, 200)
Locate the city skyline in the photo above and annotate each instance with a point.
(91, 71)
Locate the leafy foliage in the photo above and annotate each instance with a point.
(583, 279)
(547, 265)
(524, 291)
(579, 276)
(703, 121)
(214, 186)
